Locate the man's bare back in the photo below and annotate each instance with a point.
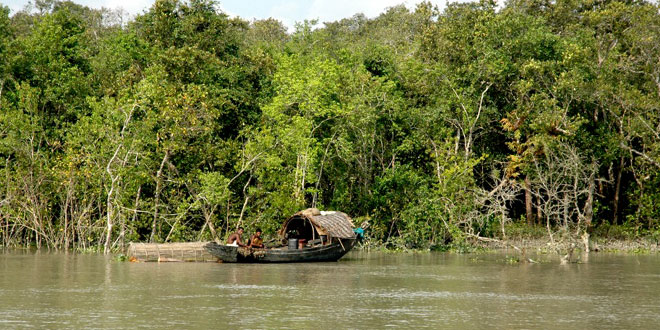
(235, 238)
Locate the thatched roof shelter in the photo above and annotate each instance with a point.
(332, 223)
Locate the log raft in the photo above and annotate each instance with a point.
(169, 252)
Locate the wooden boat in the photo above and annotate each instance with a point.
(330, 252)
(328, 236)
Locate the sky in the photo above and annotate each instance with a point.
(287, 11)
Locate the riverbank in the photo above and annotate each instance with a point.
(605, 238)
(599, 244)
(608, 238)
(641, 245)
(524, 238)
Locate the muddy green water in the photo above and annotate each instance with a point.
(363, 290)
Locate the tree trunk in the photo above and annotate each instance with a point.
(108, 236)
(588, 206)
(109, 206)
(528, 202)
(318, 180)
(5, 232)
(2, 85)
(437, 161)
(159, 175)
(122, 232)
(617, 189)
(539, 214)
(208, 215)
(66, 208)
(566, 203)
(247, 198)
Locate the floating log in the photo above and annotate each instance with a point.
(170, 252)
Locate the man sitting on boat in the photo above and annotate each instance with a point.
(256, 241)
(235, 238)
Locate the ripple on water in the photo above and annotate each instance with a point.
(405, 294)
(251, 287)
(66, 290)
(444, 277)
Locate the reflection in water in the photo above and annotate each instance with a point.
(361, 291)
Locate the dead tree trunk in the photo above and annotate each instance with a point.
(122, 233)
(617, 189)
(247, 198)
(159, 175)
(109, 201)
(208, 217)
(588, 205)
(539, 211)
(114, 180)
(66, 209)
(528, 202)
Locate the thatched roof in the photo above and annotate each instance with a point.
(333, 223)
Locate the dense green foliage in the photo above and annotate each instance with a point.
(435, 126)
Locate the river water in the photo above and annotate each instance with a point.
(363, 290)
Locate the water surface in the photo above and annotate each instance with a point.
(363, 290)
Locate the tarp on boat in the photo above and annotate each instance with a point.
(332, 223)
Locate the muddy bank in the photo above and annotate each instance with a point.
(545, 245)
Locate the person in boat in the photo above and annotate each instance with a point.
(235, 238)
(256, 241)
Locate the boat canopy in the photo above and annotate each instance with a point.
(332, 223)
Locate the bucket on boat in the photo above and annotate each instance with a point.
(293, 243)
(301, 243)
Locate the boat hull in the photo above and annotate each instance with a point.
(330, 252)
